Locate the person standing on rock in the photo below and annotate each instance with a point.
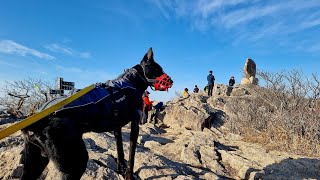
(210, 79)
(232, 81)
(196, 89)
(147, 105)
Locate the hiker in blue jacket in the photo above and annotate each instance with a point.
(158, 107)
(210, 79)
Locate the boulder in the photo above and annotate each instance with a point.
(254, 80)
(217, 101)
(251, 80)
(220, 90)
(250, 73)
(240, 91)
(249, 68)
(9, 163)
(191, 113)
(253, 161)
(245, 81)
(186, 117)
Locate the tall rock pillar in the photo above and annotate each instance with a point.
(250, 72)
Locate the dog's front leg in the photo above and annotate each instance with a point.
(121, 164)
(133, 144)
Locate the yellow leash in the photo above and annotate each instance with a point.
(36, 117)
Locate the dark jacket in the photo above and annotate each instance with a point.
(196, 90)
(231, 82)
(210, 79)
(158, 106)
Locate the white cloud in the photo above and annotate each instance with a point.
(59, 48)
(84, 55)
(201, 9)
(270, 13)
(311, 23)
(163, 6)
(208, 7)
(255, 35)
(256, 21)
(229, 14)
(11, 47)
(245, 15)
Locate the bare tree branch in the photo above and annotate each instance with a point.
(24, 96)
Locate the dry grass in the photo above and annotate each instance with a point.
(296, 133)
(279, 118)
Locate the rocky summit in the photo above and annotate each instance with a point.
(191, 141)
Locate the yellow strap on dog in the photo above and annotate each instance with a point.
(36, 117)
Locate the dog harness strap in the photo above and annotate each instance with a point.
(113, 107)
(38, 116)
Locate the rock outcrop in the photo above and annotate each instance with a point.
(223, 90)
(193, 143)
(250, 73)
(193, 113)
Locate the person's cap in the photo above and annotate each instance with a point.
(210, 71)
(146, 92)
(232, 77)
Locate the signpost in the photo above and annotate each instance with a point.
(55, 91)
(62, 85)
(65, 85)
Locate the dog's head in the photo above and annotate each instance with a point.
(154, 73)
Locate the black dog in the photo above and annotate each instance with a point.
(108, 107)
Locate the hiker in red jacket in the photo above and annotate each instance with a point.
(147, 105)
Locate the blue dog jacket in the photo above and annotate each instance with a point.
(99, 100)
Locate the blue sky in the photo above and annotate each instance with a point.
(93, 41)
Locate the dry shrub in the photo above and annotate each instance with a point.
(283, 115)
(21, 98)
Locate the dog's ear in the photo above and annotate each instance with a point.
(148, 57)
(150, 54)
